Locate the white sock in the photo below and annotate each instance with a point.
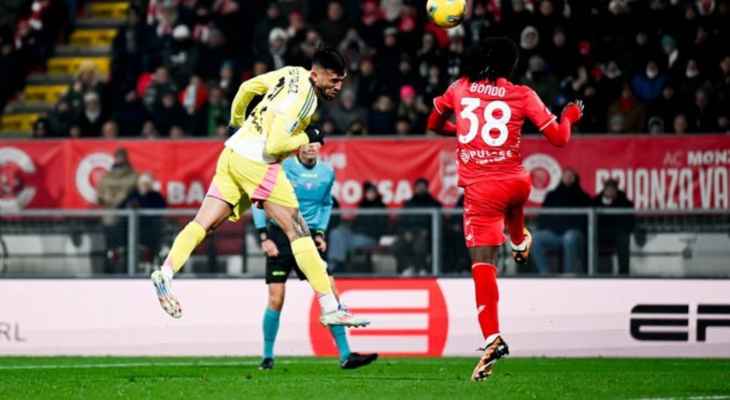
(519, 247)
(329, 303)
(490, 339)
(167, 272)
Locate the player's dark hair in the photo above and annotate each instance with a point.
(329, 58)
(492, 58)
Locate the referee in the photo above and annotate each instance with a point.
(312, 181)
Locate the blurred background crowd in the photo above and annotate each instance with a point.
(646, 66)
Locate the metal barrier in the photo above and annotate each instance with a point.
(39, 243)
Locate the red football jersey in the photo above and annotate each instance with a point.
(489, 118)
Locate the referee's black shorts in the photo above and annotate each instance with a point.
(278, 268)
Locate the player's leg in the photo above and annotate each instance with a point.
(307, 257)
(517, 192)
(348, 359)
(224, 200)
(212, 212)
(483, 231)
(484, 273)
(272, 314)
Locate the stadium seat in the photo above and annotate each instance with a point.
(44, 93)
(92, 37)
(69, 65)
(21, 123)
(107, 10)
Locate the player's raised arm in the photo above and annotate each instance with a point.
(289, 129)
(249, 89)
(438, 119)
(556, 132)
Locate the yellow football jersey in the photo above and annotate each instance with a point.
(275, 127)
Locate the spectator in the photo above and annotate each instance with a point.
(149, 131)
(368, 85)
(630, 110)
(345, 111)
(150, 226)
(388, 54)
(40, 128)
(648, 85)
(168, 113)
(545, 84)
(701, 117)
(413, 246)
(92, 117)
(151, 87)
(411, 110)
(403, 126)
(113, 189)
(217, 110)
(361, 234)
(680, 125)
(276, 55)
(334, 27)
(564, 234)
(61, 119)
(614, 231)
(109, 130)
(88, 79)
(193, 100)
(272, 20)
(382, 117)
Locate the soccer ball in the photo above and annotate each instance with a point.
(446, 13)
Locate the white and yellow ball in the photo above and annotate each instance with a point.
(446, 13)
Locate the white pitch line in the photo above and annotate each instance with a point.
(153, 364)
(712, 397)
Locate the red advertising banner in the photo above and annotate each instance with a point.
(656, 172)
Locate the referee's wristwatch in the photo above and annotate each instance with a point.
(263, 235)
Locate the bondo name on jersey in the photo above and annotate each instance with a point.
(490, 90)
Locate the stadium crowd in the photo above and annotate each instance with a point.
(177, 63)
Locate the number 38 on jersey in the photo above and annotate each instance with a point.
(495, 116)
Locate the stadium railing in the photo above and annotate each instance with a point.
(391, 242)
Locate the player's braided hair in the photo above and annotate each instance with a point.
(492, 58)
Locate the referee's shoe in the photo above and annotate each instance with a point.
(357, 360)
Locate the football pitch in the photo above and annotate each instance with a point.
(187, 378)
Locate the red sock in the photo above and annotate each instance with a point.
(516, 224)
(487, 296)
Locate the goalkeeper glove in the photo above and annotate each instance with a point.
(572, 111)
(314, 135)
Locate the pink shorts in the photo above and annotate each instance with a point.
(486, 205)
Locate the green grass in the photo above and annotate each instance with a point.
(396, 378)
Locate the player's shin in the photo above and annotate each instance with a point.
(487, 297)
(186, 241)
(309, 261)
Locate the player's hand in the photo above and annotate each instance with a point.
(320, 241)
(314, 135)
(269, 248)
(573, 111)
